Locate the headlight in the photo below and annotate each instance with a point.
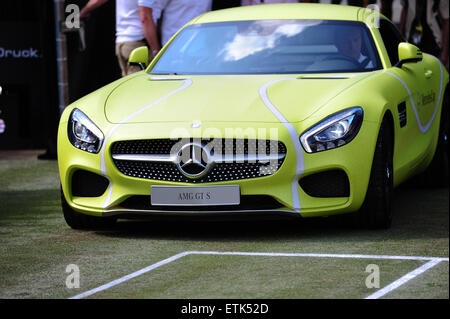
(334, 131)
(83, 133)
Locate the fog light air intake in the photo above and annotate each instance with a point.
(88, 184)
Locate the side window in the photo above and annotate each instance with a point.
(391, 38)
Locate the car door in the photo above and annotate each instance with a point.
(413, 82)
(433, 81)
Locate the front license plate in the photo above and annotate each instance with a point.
(196, 195)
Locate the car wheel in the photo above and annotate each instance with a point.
(80, 221)
(376, 211)
(437, 173)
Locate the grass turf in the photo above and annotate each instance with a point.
(37, 246)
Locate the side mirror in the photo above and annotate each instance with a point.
(408, 53)
(139, 56)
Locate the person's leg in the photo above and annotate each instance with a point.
(125, 51)
(122, 62)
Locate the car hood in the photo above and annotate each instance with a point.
(220, 98)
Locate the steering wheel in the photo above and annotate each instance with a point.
(348, 59)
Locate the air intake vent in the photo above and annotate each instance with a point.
(326, 184)
(248, 202)
(87, 184)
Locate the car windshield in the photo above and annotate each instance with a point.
(270, 47)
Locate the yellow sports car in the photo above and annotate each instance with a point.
(295, 109)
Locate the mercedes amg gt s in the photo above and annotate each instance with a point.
(294, 109)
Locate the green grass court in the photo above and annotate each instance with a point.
(37, 246)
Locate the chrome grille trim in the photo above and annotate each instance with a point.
(235, 158)
(145, 158)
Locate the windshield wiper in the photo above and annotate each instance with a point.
(170, 73)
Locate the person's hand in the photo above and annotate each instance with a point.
(84, 14)
(154, 53)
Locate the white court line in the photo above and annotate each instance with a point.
(317, 255)
(130, 276)
(404, 279)
(432, 261)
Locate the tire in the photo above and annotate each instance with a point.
(437, 174)
(81, 221)
(376, 211)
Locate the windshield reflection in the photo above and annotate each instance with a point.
(270, 47)
(260, 35)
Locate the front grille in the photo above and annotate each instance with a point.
(168, 171)
(333, 183)
(248, 202)
(157, 146)
(164, 146)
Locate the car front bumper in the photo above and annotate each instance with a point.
(352, 161)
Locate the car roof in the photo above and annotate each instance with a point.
(307, 11)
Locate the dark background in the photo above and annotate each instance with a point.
(29, 103)
(97, 65)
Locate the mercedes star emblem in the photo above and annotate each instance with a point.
(193, 160)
